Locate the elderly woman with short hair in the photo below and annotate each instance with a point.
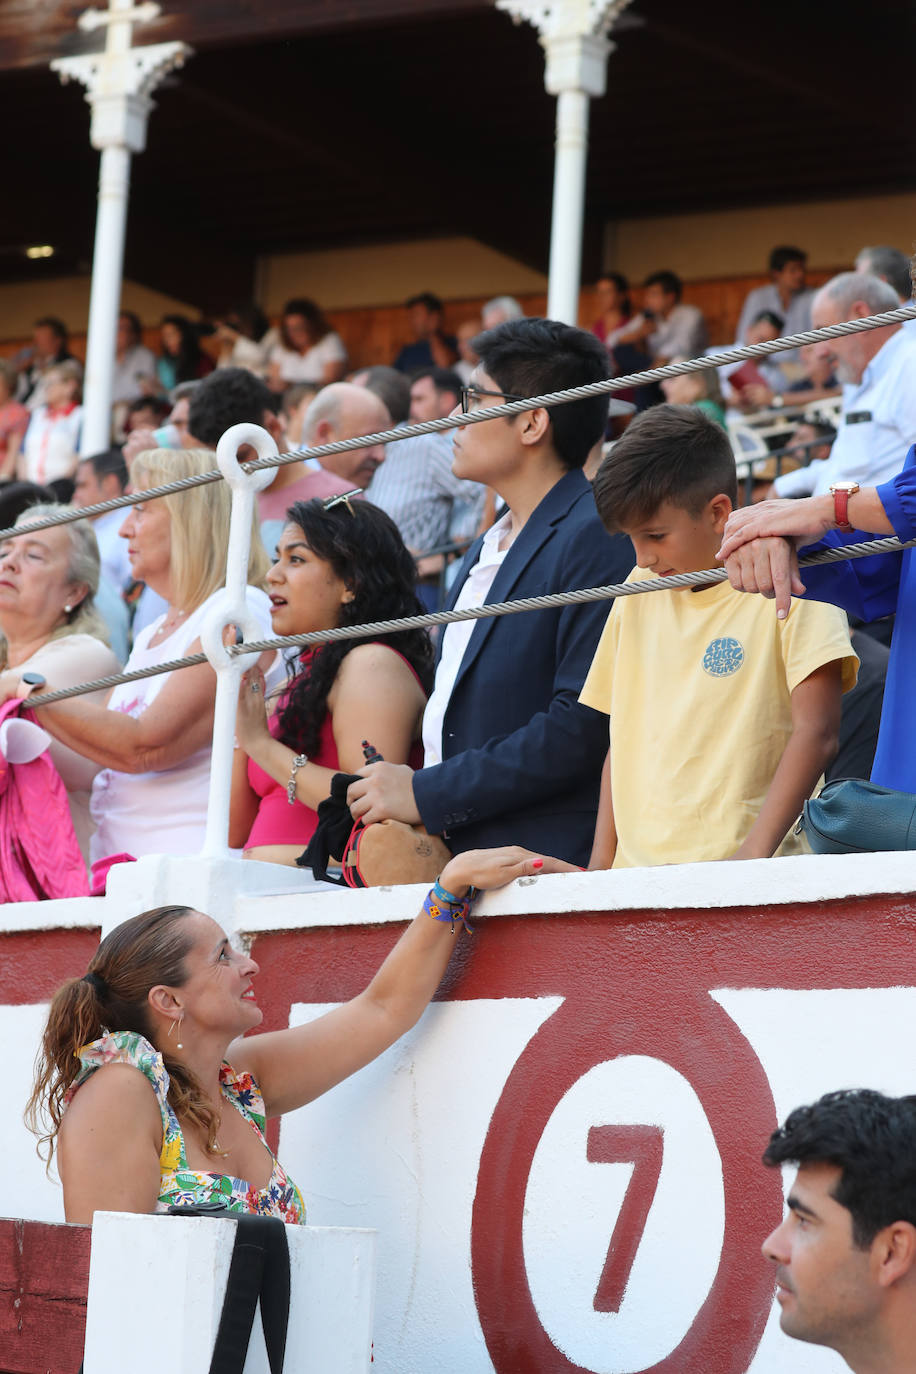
(50, 627)
(152, 740)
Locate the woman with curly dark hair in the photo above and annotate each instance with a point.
(337, 564)
(307, 350)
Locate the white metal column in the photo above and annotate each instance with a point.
(118, 84)
(573, 36)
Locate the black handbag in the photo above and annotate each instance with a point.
(852, 816)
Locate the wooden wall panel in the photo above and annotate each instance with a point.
(376, 333)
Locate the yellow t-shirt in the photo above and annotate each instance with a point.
(698, 687)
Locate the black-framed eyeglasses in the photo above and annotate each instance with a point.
(466, 392)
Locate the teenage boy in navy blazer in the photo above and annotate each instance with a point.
(511, 757)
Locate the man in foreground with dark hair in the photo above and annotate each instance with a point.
(510, 755)
(845, 1255)
(231, 396)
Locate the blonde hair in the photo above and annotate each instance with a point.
(199, 523)
(68, 371)
(83, 565)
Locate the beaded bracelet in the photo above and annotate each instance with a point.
(445, 906)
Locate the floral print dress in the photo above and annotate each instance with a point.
(179, 1185)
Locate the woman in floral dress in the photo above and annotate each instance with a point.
(151, 1093)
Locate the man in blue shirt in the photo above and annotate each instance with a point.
(760, 551)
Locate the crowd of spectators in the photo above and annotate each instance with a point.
(686, 725)
(512, 746)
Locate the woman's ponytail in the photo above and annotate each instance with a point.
(76, 1018)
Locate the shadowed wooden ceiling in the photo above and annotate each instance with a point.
(331, 122)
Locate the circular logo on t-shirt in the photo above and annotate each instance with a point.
(723, 657)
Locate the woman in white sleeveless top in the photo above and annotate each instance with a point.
(153, 737)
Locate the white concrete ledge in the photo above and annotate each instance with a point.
(185, 1261)
(251, 898)
(70, 913)
(753, 883)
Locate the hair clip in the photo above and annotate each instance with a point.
(344, 499)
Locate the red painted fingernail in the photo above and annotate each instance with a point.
(537, 863)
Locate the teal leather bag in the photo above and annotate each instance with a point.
(851, 816)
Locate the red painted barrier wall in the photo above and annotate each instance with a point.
(633, 984)
(34, 963)
(44, 1275)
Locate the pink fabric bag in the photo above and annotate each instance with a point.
(39, 854)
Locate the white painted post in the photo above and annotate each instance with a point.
(118, 84)
(568, 206)
(231, 608)
(182, 1263)
(573, 36)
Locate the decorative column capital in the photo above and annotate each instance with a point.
(118, 88)
(573, 34)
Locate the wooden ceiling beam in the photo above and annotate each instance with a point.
(34, 32)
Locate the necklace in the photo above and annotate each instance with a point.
(171, 621)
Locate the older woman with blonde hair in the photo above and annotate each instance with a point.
(51, 630)
(152, 739)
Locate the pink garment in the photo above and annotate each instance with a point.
(279, 823)
(39, 855)
(273, 505)
(101, 869)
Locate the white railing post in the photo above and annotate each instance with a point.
(573, 34)
(231, 608)
(180, 1264)
(119, 83)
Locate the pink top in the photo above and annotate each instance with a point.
(273, 505)
(279, 823)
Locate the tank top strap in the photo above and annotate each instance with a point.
(129, 1047)
(243, 1091)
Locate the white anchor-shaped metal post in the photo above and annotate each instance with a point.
(573, 34)
(119, 83)
(231, 608)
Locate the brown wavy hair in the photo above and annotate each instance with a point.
(148, 949)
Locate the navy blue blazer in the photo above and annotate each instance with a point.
(522, 757)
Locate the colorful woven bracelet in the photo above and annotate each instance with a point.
(444, 906)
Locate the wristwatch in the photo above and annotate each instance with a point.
(841, 492)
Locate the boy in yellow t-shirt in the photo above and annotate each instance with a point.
(722, 716)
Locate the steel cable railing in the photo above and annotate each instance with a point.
(488, 612)
(476, 417)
